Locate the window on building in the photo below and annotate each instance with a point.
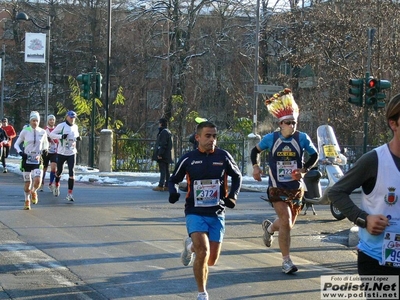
(153, 69)
(154, 100)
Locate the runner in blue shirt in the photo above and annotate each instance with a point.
(286, 170)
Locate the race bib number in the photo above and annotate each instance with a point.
(391, 250)
(33, 158)
(70, 144)
(285, 169)
(53, 148)
(207, 192)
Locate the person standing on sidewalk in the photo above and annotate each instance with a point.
(50, 156)
(10, 132)
(162, 154)
(67, 135)
(206, 169)
(35, 142)
(286, 170)
(377, 172)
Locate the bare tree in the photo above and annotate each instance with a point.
(325, 45)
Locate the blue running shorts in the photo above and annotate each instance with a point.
(214, 226)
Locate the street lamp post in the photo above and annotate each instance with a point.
(24, 17)
(3, 65)
(108, 61)
(256, 58)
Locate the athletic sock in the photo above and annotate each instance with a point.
(52, 176)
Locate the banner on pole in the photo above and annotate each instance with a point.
(35, 47)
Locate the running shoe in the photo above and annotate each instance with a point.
(34, 198)
(202, 296)
(288, 267)
(267, 237)
(186, 255)
(51, 188)
(5, 170)
(56, 191)
(158, 189)
(70, 197)
(41, 188)
(27, 205)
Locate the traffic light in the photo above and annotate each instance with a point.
(99, 78)
(356, 90)
(84, 80)
(371, 91)
(380, 96)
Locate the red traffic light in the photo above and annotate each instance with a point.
(372, 83)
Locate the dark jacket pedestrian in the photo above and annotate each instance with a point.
(163, 154)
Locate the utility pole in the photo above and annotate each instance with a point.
(256, 58)
(108, 63)
(3, 65)
(371, 32)
(93, 88)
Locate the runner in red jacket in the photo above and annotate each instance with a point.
(7, 143)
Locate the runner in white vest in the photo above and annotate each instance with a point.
(378, 173)
(35, 141)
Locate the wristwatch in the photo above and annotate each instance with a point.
(361, 222)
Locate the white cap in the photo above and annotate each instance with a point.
(34, 116)
(51, 117)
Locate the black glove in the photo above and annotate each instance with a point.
(79, 138)
(45, 152)
(64, 136)
(23, 155)
(173, 197)
(229, 202)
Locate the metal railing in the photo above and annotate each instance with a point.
(134, 155)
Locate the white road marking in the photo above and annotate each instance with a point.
(28, 259)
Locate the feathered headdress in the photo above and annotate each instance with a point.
(282, 105)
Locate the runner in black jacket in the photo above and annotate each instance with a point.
(206, 169)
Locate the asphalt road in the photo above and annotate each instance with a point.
(125, 243)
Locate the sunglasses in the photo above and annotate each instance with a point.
(288, 122)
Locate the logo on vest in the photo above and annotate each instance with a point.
(391, 197)
(286, 152)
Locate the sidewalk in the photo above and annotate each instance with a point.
(90, 175)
